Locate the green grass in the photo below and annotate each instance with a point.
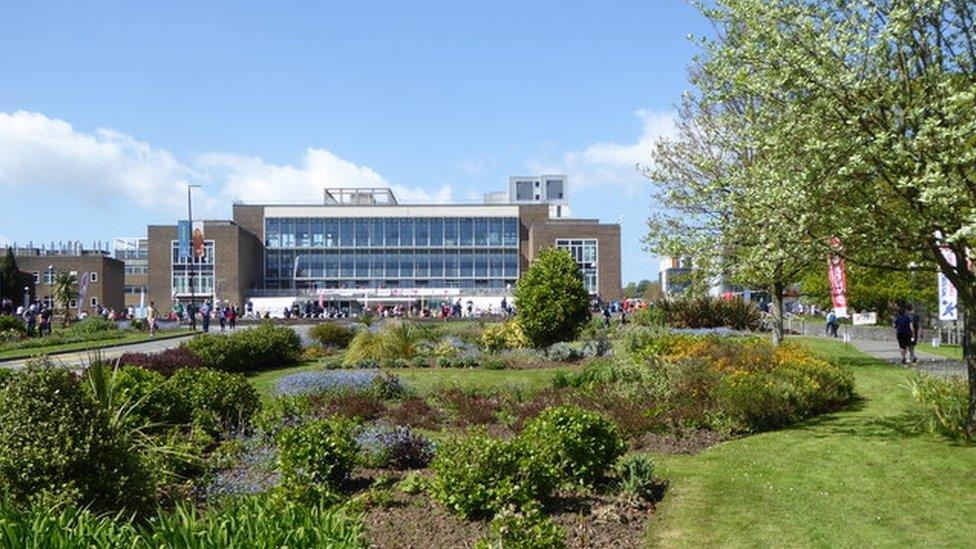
(946, 351)
(126, 339)
(853, 478)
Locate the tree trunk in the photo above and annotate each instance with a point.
(968, 307)
(778, 288)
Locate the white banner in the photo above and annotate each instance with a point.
(390, 292)
(948, 296)
(865, 319)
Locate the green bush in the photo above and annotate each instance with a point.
(265, 347)
(12, 323)
(151, 399)
(523, 528)
(503, 336)
(219, 401)
(563, 352)
(318, 452)
(582, 446)
(635, 476)
(92, 326)
(331, 334)
(553, 304)
(56, 446)
(651, 316)
(943, 405)
(710, 312)
(478, 475)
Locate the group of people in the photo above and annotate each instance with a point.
(907, 331)
(37, 318)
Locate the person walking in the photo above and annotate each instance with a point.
(151, 319)
(606, 317)
(30, 317)
(831, 329)
(232, 317)
(906, 331)
(222, 317)
(205, 317)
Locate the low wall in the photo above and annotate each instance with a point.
(817, 327)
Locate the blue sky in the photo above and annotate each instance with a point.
(107, 110)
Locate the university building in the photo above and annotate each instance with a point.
(361, 247)
(100, 277)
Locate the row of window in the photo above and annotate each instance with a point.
(49, 274)
(136, 269)
(206, 259)
(392, 264)
(391, 232)
(48, 302)
(468, 283)
(202, 283)
(136, 289)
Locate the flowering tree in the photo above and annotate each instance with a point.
(875, 102)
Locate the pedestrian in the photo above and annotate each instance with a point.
(606, 317)
(831, 328)
(191, 313)
(232, 317)
(906, 331)
(205, 311)
(151, 319)
(222, 317)
(30, 317)
(45, 325)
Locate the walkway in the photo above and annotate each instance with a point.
(80, 358)
(927, 362)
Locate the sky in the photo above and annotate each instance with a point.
(109, 109)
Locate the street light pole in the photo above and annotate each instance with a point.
(189, 215)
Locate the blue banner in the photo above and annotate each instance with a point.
(183, 230)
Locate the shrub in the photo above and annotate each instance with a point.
(596, 348)
(165, 362)
(331, 334)
(478, 475)
(650, 316)
(220, 401)
(710, 312)
(416, 412)
(563, 352)
(552, 302)
(395, 340)
(581, 445)
(943, 405)
(265, 347)
(635, 476)
(92, 326)
(524, 528)
(56, 445)
(151, 399)
(321, 452)
(503, 336)
(495, 364)
(12, 323)
(396, 448)
(139, 324)
(359, 406)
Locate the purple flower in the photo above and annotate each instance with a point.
(396, 448)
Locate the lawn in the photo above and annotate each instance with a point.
(853, 478)
(946, 351)
(125, 339)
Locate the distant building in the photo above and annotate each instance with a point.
(133, 252)
(362, 246)
(675, 275)
(100, 277)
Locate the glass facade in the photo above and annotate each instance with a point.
(391, 252)
(200, 268)
(586, 253)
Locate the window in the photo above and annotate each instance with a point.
(73, 304)
(586, 254)
(37, 277)
(93, 277)
(523, 190)
(554, 189)
(94, 302)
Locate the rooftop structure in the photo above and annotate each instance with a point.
(355, 196)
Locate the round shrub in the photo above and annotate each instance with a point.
(525, 528)
(331, 334)
(503, 336)
(476, 476)
(553, 304)
(219, 400)
(92, 326)
(56, 445)
(563, 352)
(635, 476)
(581, 445)
(265, 347)
(151, 399)
(321, 452)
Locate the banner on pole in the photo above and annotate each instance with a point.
(183, 237)
(948, 296)
(198, 247)
(838, 278)
(83, 289)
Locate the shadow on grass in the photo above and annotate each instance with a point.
(849, 421)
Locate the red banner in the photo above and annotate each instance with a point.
(838, 278)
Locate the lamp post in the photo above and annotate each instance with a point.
(26, 296)
(189, 215)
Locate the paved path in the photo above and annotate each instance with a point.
(927, 362)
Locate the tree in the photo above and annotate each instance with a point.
(871, 289)
(552, 301)
(65, 290)
(877, 98)
(730, 204)
(12, 280)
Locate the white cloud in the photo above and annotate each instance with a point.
(5, 242)
(612, 164)
(106, 165)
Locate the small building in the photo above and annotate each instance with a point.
(100, 277)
